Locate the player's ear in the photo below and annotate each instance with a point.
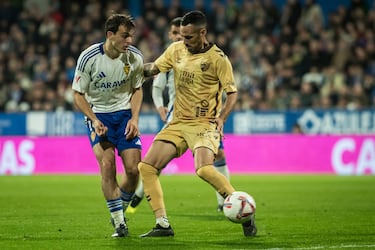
(109, 33)
(203, 32)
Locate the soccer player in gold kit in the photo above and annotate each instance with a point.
(202, 73)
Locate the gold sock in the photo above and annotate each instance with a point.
(216, 179)
(151, 186)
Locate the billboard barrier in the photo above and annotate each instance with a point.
(248, 154)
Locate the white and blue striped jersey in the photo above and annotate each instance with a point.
(108, 83)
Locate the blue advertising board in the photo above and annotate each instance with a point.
(309, 121)
(12, 124)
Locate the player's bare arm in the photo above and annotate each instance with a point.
(157, 96)
(150, 69)
(163, 111)
(84, 106)
(227, 108)
(132, 129)
(228, 105)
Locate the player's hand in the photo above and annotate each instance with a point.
(163, 111)
(100, 128)
(131, 129)
(220, 126)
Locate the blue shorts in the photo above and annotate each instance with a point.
(116, 123)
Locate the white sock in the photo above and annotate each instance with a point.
(118, 218)
(163, 221)
(139, 191)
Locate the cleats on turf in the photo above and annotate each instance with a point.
(113, 222)
(158, 231)
(219, 208)
(121, 231)
(249, 228)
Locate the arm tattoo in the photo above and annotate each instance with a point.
(150, 69)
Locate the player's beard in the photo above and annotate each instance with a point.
(123, 48)
(191, 49)
(120, 47)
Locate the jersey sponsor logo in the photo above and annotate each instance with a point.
(186, 77)
(203, 110)
(204, 103)
(109, 85)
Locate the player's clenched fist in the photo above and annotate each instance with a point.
(131, 129)
(100, 128)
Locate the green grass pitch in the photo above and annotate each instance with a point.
(293, 212)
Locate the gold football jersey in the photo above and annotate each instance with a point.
(199, 79)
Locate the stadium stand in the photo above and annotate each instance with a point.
(285, 57)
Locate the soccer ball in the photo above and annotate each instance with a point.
(239, 207)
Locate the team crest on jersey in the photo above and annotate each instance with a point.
(127, 68)
(205, 66)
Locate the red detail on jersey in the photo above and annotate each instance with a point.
(77, 78)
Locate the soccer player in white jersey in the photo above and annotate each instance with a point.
(160, 83)
(108, 90)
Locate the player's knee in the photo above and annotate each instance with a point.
(132, 171)
(204, 172)
(146, 169)
(107, 164)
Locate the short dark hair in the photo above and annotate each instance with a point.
(194, 17)
(175, 21)
(115, 20)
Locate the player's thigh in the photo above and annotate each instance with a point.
(130, 159)
(104, 152)
(203, 156)
(105, 155)
(160, 153)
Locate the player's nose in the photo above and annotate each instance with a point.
(178, 38)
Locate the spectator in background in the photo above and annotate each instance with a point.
(290, 16)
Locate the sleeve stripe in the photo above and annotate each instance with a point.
(135, 50)
(85, 57)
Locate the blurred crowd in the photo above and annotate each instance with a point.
(284, 58)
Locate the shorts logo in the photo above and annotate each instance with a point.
(138, 142)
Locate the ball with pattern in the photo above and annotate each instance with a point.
(239, 207)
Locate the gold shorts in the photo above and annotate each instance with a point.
(190, 134)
